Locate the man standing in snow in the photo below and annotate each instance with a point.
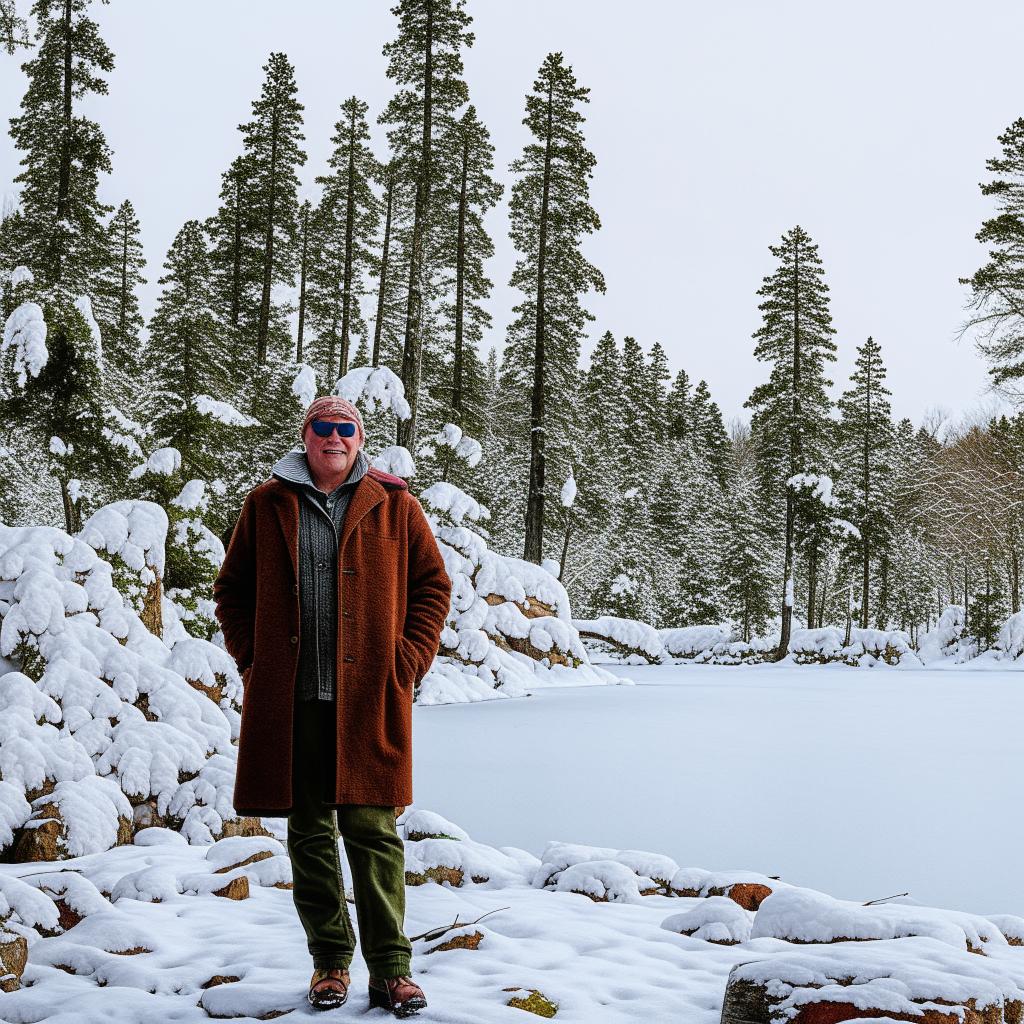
(332, 597)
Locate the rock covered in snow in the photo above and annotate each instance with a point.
(716, 919)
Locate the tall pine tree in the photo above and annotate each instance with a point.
(865, 454)
(790, 420)
(463, 247)
(550, 215)
(425, 60)
(346, 228)
(59, 235)
(273, 150)
(997, 299)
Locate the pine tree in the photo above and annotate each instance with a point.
(709, 433)
(463, 245)
(678, 415)
(58, 234)
(273, 150)
(346, 228)
(865, 452)
(306, 257)
(184, 361)
(389, 319)
(234, 252)
(598, 475)
(640, 396)
(425, 61)
(64, 152)
(116, 306)
(998, 286)
(746, 565)
(550, 213)
(791, 411)
(13, 29)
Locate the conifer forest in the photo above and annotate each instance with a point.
(820, 508)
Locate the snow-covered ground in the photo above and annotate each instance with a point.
(863, 783)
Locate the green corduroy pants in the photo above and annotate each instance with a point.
(375, 852)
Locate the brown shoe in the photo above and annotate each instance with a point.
(329, 988)
(401, 995)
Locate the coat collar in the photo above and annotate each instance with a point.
(366, 494)
(294, 467)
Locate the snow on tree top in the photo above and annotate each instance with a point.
(377, 386)
(163, 462)
(84, 306)
(446, 497)
(304, 385)
(451, 436)
(192, 497)
(21, 275)
(223, 412)
(25, 334)
(133, 530)
(818, 484)
(396, 460)
(568, 494)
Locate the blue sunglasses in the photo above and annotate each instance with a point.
(323, 428)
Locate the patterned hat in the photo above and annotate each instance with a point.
(334, 407)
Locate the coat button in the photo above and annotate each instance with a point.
(295, 639)
(346, 614)
(348, 657)
(295, 589)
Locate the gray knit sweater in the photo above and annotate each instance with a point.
(320, 520)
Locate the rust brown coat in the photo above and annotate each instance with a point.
(393, 597)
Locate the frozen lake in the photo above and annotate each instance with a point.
(864, 783)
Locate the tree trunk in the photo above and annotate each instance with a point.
(382, 292)
(350, 219)
(865, 583)
(64, 171)
(412, 354)
(122, 319)
(787, 573)
(263, 329)
(812, 585)
(795, 459)
(565, 547)
(1014, 579)
(460, 284)
(302, 285)
(534, 543)
(72, 509)
(236, 267)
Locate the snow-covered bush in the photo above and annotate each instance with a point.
(738, 652)
(1010, 642)
(106, 725)
(194, 553)
(948, 639)
(867, 647)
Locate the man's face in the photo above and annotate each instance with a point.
(332, 455)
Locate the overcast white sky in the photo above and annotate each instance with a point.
(716, 128)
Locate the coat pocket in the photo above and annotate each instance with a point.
(406, 671)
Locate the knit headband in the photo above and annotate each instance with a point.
(333, 407)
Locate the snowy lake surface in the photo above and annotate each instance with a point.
(863, 783)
